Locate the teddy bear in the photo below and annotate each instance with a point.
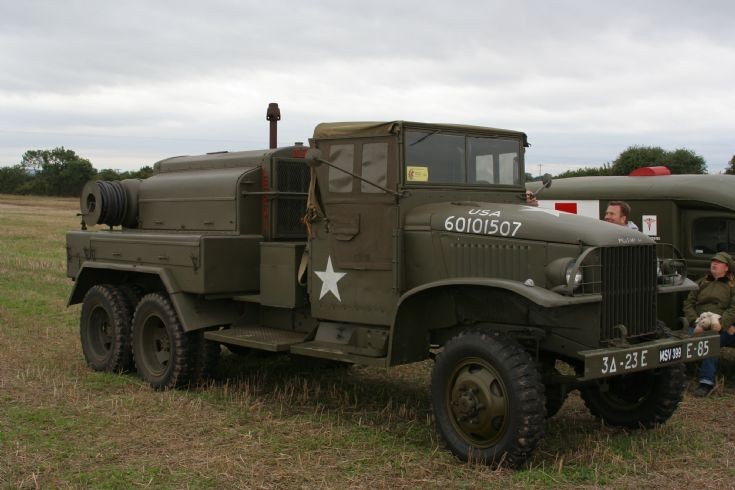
(706, 320)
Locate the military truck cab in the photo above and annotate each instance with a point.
(383, 244)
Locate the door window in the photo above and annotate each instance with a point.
(368, 159)
(342, 156)
(374, 166)
(713, 235)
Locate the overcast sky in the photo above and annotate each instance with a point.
(128, 83)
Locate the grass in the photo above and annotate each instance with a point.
(268, 423)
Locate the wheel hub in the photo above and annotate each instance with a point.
(478, 402)
(101, 332)
(467, 404)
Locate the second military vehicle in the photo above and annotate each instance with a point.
(694, 213)
(385, 243)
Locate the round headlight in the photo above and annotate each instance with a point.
(577, 275)
(672, 271)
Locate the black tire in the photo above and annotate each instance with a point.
(204, 355)
(637, 400)
(104, 329)
(556, 395)
(133, 293)
(488, 399)
(161, 348)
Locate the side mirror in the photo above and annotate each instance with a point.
(313, 157)
(545, 183)
(546, 180)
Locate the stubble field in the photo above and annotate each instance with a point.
(270, 422)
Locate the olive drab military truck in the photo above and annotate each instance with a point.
(384, 244)
(694, 213)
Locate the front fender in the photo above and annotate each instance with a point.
(433, 306)
(540, 296)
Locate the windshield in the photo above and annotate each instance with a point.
(448, 158)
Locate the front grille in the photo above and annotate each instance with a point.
(628, 287)
(288, 213)
(289, 203)
(292, 176)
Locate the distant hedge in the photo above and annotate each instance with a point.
(57, 172)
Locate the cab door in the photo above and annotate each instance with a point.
(706, 232)
(353, 249)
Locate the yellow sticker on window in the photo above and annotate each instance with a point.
(417, 174)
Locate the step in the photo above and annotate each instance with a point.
(255, 336)
(248, 298)
(336, 352)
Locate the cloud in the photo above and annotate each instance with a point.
(584, 79)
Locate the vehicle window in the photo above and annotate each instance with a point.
(435, 157)
(493, 161)
(484, 169)
(440, 158)
(374, 166)
(713, 235)
(343, 156)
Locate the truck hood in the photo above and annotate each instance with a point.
(520, 222)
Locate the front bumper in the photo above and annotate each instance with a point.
(615, 361)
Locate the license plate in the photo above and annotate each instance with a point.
(670, 354)
(601, 363)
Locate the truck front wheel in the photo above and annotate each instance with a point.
(644, 399)
(488, 399)
(104, 329)
(160, 345)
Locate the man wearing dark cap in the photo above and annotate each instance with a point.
(716, 294)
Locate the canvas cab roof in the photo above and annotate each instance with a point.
(367, 129)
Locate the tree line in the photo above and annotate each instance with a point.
(57, 172)
(680, 161)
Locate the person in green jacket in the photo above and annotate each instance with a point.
(716, 294)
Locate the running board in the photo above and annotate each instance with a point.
(336, 352)
(257, 337)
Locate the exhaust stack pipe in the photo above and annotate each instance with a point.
(273, 115)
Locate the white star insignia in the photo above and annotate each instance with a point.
(329, 280)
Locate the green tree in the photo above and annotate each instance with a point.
(57, 172)
(13, 179)
(731, 168)
(110, 174)
(638, 156)
(586, 171)
(683, 161)
(143, 173)
(680, 161)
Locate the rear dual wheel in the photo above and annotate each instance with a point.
(165, 355)
(104, 329)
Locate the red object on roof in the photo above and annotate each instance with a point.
(650, 171)
(567, 207)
